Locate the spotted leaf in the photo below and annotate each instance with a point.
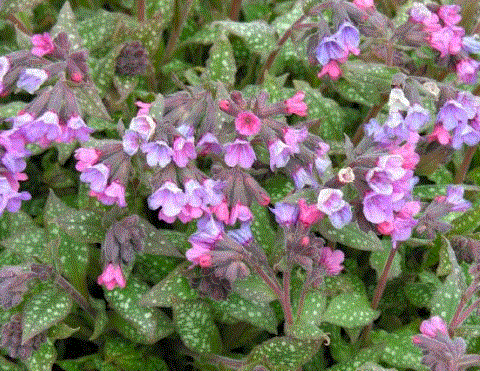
(221, 63)
(194, 323)
(253, 287)
(43, 358)
(66, 23)
(44, 310)
(350, 310)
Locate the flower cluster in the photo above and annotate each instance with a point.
(440, 24)
(458, 121)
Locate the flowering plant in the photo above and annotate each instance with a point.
(242, 185)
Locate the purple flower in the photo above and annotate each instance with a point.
(349, 36)
(243, 235)
(377, 208)
(294, 136)
(331, 202)
(467, 70)
(113, 193)
(143, 125)
(330, 48)
(239, 153)
(183, 151)
(454, 197)
(213, 192)
(302, 178)
(31, 79)
(279, 154)
(169, 197)
(97, 175)
(131, 142)
(75, 129)
(470, 44)
(285, 214)
(209, 143)
(4, 67)
(157, 153)
(432, 326)
(464, 134)
(416, 117)
(44, 129)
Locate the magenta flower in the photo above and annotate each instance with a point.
(144, 108)
(447, 40)
(467, 70)
(239, 153)
(42, 44)
(111, 277)
(86, 158)
(331, 260)
(364, 4)
(441, 135)
(432, 326)
(247, 123)
(113, 193)
(240, 212)
(293, 137)
(449, 14)
(332, 69)
(296, 105)
(31, 79)
(308, 214)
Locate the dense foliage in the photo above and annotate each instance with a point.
(239, 185)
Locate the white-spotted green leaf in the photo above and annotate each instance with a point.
(9, 366)
(446, 297)
(194, 323)
(90, 102)
(11, 109)
(399, 351)
(44, 310)
(101, 319)
(14, 6)
(344, 282)
(357, 360)
(177, 239)
(43, 358)
(327, 111)
(151, 323)
(221, 63)
(82, 225)
(96, 31)
(154, 268)
(258, 36)
(29, 243)
(379, 258)
(441, 176)
(256, 313)
(66, 23)
(105, 69)
(278, 187)
(284, 353)
(467, 222)
(156, 241)
(349, 92)
(161, 8)
(350, 310)
(261, 228)
(11, 223)
(419, 294)
(61, 331)
(172, 288)
(371, 80)
(124, 85)
(350, 235)
(305, 326)
(254, 288)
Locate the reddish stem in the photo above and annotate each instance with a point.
(235, 6)
(140, 10)
(462, 171)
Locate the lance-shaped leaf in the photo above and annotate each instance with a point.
(256, 313)
(305, 326)
(43, 358)
(350, 235)
(83, 225)
(157, 242)
(11, 109)
(379, 258)
(278, 187)
(14, 6)
(90, 102)
(284, 353)
(61, 331)
(154, 268)
(101, 318)
(350, 310)
(445, 299)
(66, 23)
(221, 63)
(262, 230)
(150, 323)
(11, 223)
(357, 360)
(172, 288)
(44, 310)
(29, 243)
(467, 222)
(194, 323)
(254, 288)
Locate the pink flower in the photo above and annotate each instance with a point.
(308, 214)
(331, 69)
(467, 70)
(240, 153)
(447, 40)
(247, 123)
(42, 44)
(432, 326)
(114, 193)
(111, 277)
(441, 135)
(240, 212)
(364, 4)
(449, 14)
(86, 157)
(332, 260)
(144, 108)
(296, 105)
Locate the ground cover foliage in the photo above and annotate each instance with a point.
(239, 185)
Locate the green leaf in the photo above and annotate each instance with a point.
(172, 288)
(43, 358)
(350, 235)
(96, 31)
(261, 229)
(221, 63)
(150, 323)
(327, 111)
(154, 268)
(29, 243)
(156, 109)
(61, 331)
(66, 23)
(15, 6)
(379, 258)
(357, 360)
(446, 298)
(157, 242)
(350, 310)
(90, 102)
(467, 222)
(441, 176)
(278, 187)
(11, 223)
(258, 36)
(370, 366)
(44, 310)
(196, 327)
(305, 326)
(101, 318)
(256, 313)
(254, 288)
(371, 80)
(284, 353)
(104, 71)
(10, 109)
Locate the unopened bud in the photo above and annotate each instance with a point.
(346, 175)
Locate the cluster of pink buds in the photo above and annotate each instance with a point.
(440, 24)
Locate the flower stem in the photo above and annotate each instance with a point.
(235, 6)
(462, 171)
(181, 15)
(140, 10)
(382, 282)
(287, 304)
(75, 295)
(273, 54)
